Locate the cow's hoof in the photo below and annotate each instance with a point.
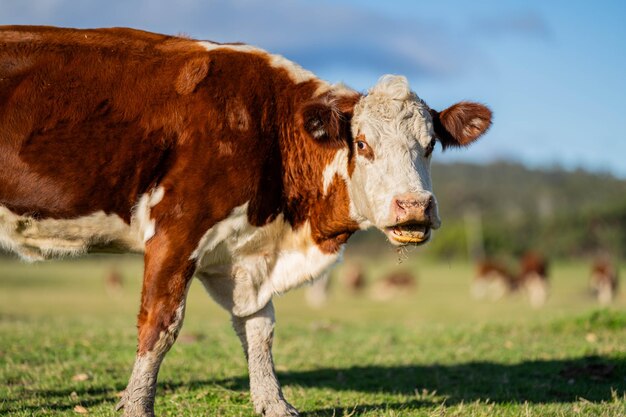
(120, 405)
(134, 408)
(281, 409)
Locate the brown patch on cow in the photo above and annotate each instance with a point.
(366, 151)
(489, 270)
(353, 278)
(12, 66)
(167, 272)
(194, 71)
(323, 122)
(237, 115)
(533, 263)
(346, 101)
(396, 283)
(176, 44)
(331, 224)
(351, 163)
(114, 282)
(225, 148)
(461, 124)
(604, 271)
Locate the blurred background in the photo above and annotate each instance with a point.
(545, 187)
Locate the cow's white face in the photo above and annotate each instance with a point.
(394, 134)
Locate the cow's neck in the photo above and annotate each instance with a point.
(315, 186)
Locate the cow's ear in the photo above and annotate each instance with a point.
(194, 71)
(461, 124)
(325, 123)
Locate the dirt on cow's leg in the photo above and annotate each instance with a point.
(256, 333)
(165, 285)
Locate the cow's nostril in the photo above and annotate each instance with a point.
(413, 206)
(429, 203)
(407, 204)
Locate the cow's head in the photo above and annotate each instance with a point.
(387, 138)
(394, 134)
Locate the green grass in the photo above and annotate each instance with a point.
(435, 352)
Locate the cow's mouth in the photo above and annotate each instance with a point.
(408, 233)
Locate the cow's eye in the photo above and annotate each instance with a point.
(364, 149)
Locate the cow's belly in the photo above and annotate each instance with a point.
(38, 239)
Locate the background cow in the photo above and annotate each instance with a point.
(494, 280)
(397, 283)
(533, 278)
(215, 160)
(603, 280)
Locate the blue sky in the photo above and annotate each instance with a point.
(554, 72)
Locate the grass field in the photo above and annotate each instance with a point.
(67, 346)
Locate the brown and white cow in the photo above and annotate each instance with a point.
(492, 280)
(604, 280)
(215, 160)
(533, 278)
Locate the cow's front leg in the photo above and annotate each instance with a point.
(166, 280)
(256, 333)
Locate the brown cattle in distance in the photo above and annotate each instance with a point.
(353, 278)
(604, 280)
(494, 280)
(533, 278)
(114, 282)
(396, 283)
(219, 161)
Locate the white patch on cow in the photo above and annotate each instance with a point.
(236, 222)
(299, 260)
(243, 266)
(141, 222)
(338, 166)
(38, 239)
(537, 289)
(295, 71)
(398, 127)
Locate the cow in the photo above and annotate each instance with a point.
(533, 278)
(492, 280)
(114, 282)
(396, 283)
(603, 280)
(353, 278)
(220, 161)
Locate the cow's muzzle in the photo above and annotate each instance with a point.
(414, 216)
